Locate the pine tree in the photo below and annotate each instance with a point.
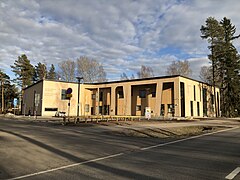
(9, 90)
(51, 73)
(225, 62)
(41, 71)
(213, 32)
(24, 71)
(230, 61)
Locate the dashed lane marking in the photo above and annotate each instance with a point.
(120, 154)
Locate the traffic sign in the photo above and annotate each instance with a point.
(69, 91)
(69, 95)
(15, 102)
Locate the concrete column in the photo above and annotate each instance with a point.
(127, 100)
(158, 100)
(177, 99)
(113, 101)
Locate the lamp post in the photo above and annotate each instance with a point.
(79, 79)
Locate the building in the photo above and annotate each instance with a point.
(166, 96)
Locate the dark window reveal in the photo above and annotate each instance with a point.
(51, 109)
(120, 94)
(138, 108)
(101, 96)
(153, 94)
(142, 94)
(198, 109)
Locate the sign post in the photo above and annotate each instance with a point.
(15, 102)
(36, 103)
(69, 95)
(148, 113)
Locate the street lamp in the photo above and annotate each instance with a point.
(79, 79)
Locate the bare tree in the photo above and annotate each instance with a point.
(67, 70)
(90, 70)
(124, 76)
(145, 72)
(132, 77)
(179, 68)
(206, 74)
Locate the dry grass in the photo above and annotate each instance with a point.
(167, 132)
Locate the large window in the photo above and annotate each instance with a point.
(194, 92)
(100, 109)
(212, 98)
(86, 107)
(101, 96)
(198, 109)
(191, 105)
(200, 94)
(170, 108)
(162, 109)
(204, 98)
(63, 95)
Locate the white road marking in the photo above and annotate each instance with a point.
(67, 166)
(181, 140)
(115, 155)
(233, 173)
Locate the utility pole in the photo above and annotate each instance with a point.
(79, 79)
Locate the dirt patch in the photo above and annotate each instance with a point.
(175, 132)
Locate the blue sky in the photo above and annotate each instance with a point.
(121, 35)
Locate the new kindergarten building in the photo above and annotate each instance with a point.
(166, 96)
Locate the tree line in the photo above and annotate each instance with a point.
(27, 74)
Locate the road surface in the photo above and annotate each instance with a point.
(30, 150)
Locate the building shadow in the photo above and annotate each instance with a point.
(103, 167)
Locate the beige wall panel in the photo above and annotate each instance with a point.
(28, 99)
(52, 98)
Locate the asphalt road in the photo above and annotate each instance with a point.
(30, 150)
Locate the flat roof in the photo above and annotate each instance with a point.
(144, 79)
(120, 81)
